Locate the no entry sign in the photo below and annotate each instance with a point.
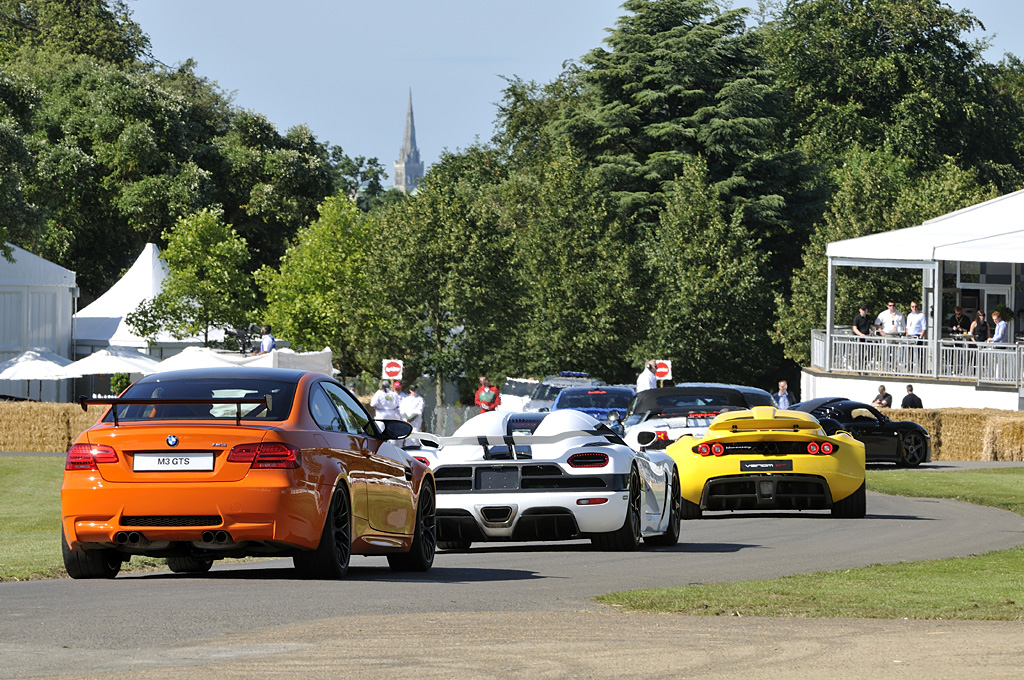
(663, 369)
(391, 369)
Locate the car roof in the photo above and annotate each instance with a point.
(737, 394)
(227, 373)
(812, 404)
(589, 388)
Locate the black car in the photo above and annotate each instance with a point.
(885, 441)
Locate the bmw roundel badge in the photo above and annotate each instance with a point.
(172, 440)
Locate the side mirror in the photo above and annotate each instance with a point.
(646, 438)
(394, 429)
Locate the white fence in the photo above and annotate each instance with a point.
(964, 360)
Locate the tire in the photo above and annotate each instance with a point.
(102, 563)
(914, 449)
(627, 537)
(853, 506)
(189, 564)
(424, 543)
(331, 558)
(671, 535)
(454, 545)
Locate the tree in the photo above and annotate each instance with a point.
(321, 294)
(713, 310)
(682, 78)
(898, 75)
(207, 283)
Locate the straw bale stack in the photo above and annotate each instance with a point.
(1004, 438)
(30, 426)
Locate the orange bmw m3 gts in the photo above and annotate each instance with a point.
(203, 464)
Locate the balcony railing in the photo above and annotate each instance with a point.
(959, 360)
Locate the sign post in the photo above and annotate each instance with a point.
(663, 369)
(391, 369)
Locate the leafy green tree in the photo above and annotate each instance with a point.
(207, 283)
(899, 75)
(20, 218)
(683, 78)
(713, 310)
(321, 294)
(574, 298)
(876, 192)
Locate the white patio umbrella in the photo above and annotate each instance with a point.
(34, 364)
(194, 357)
(109, 361)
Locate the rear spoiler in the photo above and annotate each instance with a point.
(85, 402)
(511, 440)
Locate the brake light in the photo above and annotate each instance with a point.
(422, 460)
(827, 448)
(704, 450)
(588, 460)
(266, 455)
(717, 449)
(812, 447)
(86, 456)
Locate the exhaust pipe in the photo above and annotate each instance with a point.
(222, 537)
(121, 537)
(207, 537)
(134, 537)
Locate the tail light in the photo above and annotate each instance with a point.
(265, 455)
(588, 460)
(704, 450)
(812, 447)
(85, 456)
(422, 460)
(824, 447)
(717, 449)
(827, 448)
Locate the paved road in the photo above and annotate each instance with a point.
(510, 610)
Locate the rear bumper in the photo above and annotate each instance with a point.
(264, 507)
(766, 492)
(528, 516)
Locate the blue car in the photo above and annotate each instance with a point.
(604, 402)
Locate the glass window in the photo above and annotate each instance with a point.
(277, 397)
(321, 407)
(354, 418)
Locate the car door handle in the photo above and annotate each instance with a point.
(408, 474)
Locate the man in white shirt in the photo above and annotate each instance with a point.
(916, 323)
(647, 380)
(385, 403)
(999, 335)
(890, 321)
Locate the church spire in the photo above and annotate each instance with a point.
(408, 167)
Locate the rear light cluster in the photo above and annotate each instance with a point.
(423, 460)
(708, 449)
(824, 448)
(588, 460)
(265, 455)
(85, 456)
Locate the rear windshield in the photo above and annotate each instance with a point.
(518, 388)
(281, 395)
(594, 397)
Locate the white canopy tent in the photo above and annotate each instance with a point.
(989, 232)
(103, 322)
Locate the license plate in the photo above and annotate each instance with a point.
(497, 478)
(201, 461)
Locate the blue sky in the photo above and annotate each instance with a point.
(345, 68)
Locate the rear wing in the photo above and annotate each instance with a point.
(751, 424)
(512, 440)
(85, 402)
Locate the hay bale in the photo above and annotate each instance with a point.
(1004, 438)
(963, 433)
(41, 427)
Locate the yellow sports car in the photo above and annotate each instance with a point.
(765, 458)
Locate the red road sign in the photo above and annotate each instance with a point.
(392, 369)
(663, 369)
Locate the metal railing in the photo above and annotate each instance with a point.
(960, 360)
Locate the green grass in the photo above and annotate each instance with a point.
(989, 587)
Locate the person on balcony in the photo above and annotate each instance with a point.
(883, 400)
(916, 323)
(959, 323)
(891, 321)
(999, 335)
(862, 326)
(979, 329)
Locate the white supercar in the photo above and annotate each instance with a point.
(549, 477)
